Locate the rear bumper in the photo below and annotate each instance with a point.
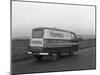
(37, 53)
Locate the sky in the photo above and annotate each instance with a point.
(27, 15)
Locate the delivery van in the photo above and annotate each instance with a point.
(52, 42)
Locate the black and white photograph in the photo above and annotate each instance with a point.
(52, 37)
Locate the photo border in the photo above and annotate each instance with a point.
(59, 4)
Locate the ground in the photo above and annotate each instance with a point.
(85, 60)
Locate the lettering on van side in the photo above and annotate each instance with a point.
(53, 34)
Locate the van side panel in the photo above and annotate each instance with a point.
(58, 41)
(59, 45)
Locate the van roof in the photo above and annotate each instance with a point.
(42, 28)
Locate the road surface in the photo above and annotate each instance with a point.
(85, 60)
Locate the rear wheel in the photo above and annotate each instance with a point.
(45, 57)
(53, 56)
(38, 57)
(71, 53)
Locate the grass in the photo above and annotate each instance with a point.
(20, 47)
(87, 43)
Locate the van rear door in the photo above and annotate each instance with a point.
(37, 38)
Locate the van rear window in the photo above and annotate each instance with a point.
(37, 34)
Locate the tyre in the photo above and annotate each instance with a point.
(38, 57)
(44, 57)
(53, 56)
(71, 53)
